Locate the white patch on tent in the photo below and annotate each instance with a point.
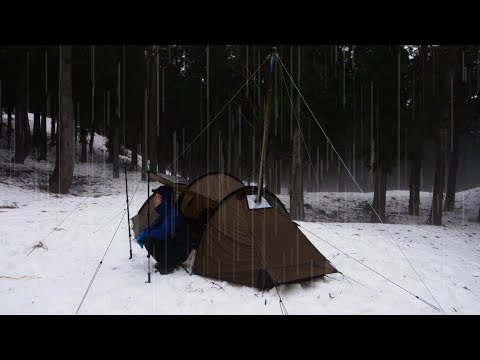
(252, 205)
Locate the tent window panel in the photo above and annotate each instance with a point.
(252, 205)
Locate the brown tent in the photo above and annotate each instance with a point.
(242, 241)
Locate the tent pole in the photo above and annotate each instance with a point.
(266, 124)
(128, 212)
(148, 221)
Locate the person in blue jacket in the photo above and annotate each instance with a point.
(165, 239)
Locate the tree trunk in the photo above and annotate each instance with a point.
(380, 195)
(116, 148)
(278, 177)
(296, 179)
(269, 172)
(110, 143)
(52, 132)
(27, 134)
(221, 152)
(272, 175)
(435, 217)
(77, 126)
(152, 117)
(414, 200)
(36, 128)
(20, 108)
(92, 136)
(1, 110)
(163, 156)
(61, 179)
(9, 126)
(144, 162)
(452, 176)
(236, 158)
(341, 179)
(43, 137)
(83, 142)
(19, 128)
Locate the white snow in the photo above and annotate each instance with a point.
(54, 278)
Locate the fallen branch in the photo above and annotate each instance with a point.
(19, 277)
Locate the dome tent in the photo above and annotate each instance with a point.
(239, 240)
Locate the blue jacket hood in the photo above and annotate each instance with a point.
(169, 218)
(165, 192)
(166, 206)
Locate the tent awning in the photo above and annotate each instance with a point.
(200, 201)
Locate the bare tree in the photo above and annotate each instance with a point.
(452, 176)
(414, 200)
(61, 179)
(435, 217)
(296, 180)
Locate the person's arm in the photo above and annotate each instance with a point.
(156, 223)
(158, 220)
(164, 231)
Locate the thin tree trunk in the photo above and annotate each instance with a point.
(27, 134)
(272, 175)
(92, 136)
(1, 110)
(296, 179)
(435, 217)
(152, 117)
(110, 143)
(77, 126)
(236, 157)
(20, 105)
(9, 126)
(341, 179)
(163, 156)
(116, 148)
(43, 137)
(61, 179)
(19, 128)
(83, 142)
(52, 132)
(379, 197)
(269, 172)
(277, 175)
(452, 176)
(36, 128)
(144, 162)
(414, 200)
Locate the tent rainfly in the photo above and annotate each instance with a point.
(239, 240)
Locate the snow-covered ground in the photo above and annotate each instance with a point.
(55, 276)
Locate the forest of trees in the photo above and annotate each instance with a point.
(378, 104)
